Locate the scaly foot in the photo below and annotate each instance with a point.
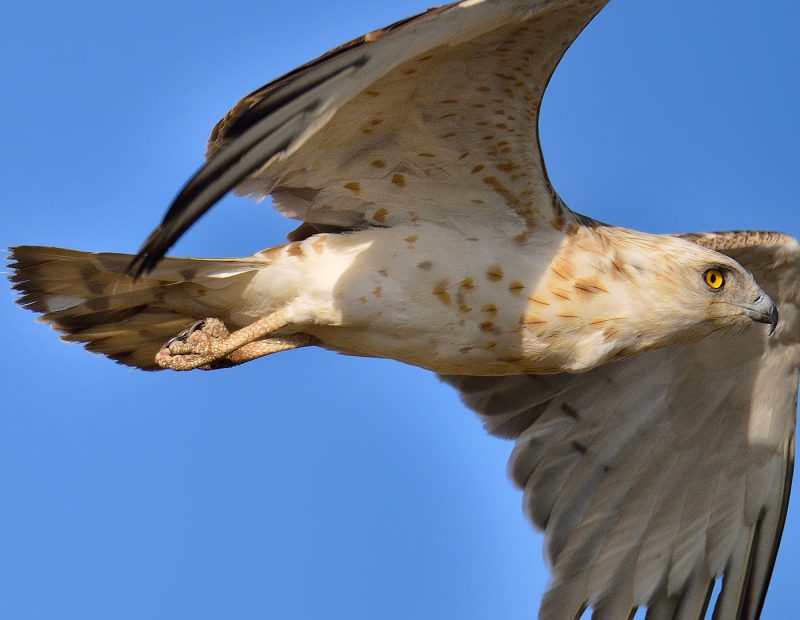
(208, 344)
(194, 347)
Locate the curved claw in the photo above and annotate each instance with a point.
(184, 335)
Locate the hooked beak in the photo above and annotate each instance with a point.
(762, 310)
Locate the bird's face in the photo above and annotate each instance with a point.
(662, 290)
(732, 295)
(709, 291)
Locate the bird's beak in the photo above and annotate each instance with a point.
(763, 310)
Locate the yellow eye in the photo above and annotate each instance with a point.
(714, 278)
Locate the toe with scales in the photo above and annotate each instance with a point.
(208, 344)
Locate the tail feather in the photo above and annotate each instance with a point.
(90, 299)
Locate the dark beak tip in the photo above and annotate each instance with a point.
(773, 319)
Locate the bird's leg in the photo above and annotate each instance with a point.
(208, 344)
(260, 348)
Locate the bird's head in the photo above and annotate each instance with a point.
(658, 290)
(691, 291)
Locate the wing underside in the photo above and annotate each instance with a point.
(431, 118)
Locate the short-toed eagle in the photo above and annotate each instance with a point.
(654, 422)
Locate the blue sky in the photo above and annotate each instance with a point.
(310, 485)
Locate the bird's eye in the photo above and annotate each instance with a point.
(714, 278)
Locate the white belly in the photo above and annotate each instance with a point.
(452, 301)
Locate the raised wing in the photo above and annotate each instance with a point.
(430, 118)
(654, 476)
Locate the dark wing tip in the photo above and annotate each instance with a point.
(153, 250)
(229, 126)
(267, 129)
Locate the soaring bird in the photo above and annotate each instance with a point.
(654, 420)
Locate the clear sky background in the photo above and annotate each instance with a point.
(310, 485)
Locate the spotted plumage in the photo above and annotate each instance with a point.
(431, 234)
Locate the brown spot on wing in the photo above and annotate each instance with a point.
(516, 287)
(319, 245)
(507, 195)
(490, 309)
(272, 254)
(295, 249)
(425, 265)
(507, 166)
(378, 163)
(495, 273)
(489, 327)
(463, 308)
(440, 292)
(464, 287)
(399, 180)
(380, 215)
(353, 186)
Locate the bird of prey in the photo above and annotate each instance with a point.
(654, 419)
